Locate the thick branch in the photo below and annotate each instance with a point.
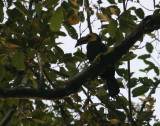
(148, 25)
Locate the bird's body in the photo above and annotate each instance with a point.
(95, 47)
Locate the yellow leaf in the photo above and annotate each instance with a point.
(152, 35)
(148, 107)
(74, 2)
(103, 17)
(114, 122)
(114, 11)
(8, 44)
(142, 99)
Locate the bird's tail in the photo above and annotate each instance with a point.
(113, 86)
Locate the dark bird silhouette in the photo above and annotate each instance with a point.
(95, 47)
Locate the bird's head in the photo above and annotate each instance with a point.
(92, 37)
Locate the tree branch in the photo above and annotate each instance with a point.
(8, 117)
(88, 16)
(149, 24)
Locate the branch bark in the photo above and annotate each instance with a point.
(8, 116)
(149, 24)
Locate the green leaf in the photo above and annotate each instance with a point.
(57, 19)
(101, 92)
(1, 11)
(38, 9)
(63, 71)
(2, 72)
(76, 97)
(111, 1)
(81, 16)
(145, 81)
(13, 102)
(140, 91)
(50, 3)
(145, 115)
(119, 35)
(80, 2)
(140, 13)
(71, 30)
(72, 68)
(129, 56)
(124, 27)
(149, 63)
(145, 56)
(87, 116)
(18, 60)
(149, 47)
(133, 82)
(21, 8)
(112, 28)
(156, 70)
(58, 52)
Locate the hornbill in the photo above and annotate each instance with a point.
(95, 47)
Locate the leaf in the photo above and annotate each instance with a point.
(76, 97)
(71, 30)
(145, 115)
(112, 28)
(21, 8)
(87, 115)
(114, 122)
(149, 47)
(50, 3)
(145, 56)
(101, 92)
(72, 68)
(152, 35)
(80, 2)
(129, 56)
(2, 72)
(140, 13)
(1, 11)
(124, 27)
(18, 60)
(81, 16)
(114, 11)
(38, 9)
(111, 1)
(145, 81)
(13, 102)
(133, 82)
(74, 2)
(140, 91)
(119, 35)
(12, 43)
(56, 20)
(103, 17)
(156, 70)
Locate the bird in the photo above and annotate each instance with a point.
(95, 47)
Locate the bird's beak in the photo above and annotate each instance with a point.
(82, 41)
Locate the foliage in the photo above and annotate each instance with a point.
(31, 55)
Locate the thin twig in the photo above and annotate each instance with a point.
(41, 82)
(88, 16)
(129, 93)
(129, 82)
